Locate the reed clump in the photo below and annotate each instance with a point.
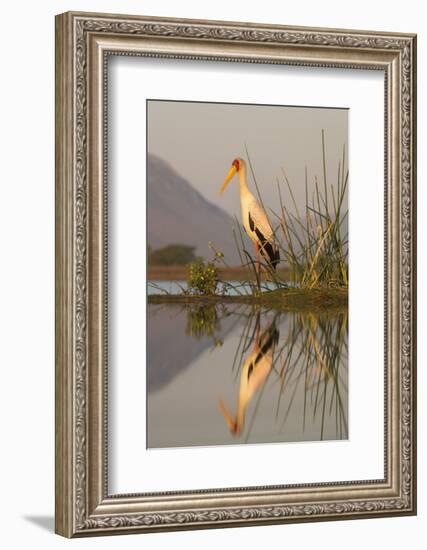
(315, 242)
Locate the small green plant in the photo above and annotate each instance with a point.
(203, 278)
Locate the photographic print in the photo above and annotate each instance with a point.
(247, 274)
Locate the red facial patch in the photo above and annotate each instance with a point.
(236, 163)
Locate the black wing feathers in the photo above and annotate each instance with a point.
(270, 253)
(251, 222)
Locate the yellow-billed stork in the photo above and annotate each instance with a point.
(254, 218)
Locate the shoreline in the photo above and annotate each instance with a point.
(290, 299)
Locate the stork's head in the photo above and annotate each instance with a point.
(237, 165)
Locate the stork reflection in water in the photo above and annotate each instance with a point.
(254, 373)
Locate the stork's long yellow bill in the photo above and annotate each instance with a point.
(229, 177)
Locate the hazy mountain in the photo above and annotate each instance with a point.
(179, 214)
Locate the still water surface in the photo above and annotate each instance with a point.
(177, 287)
(224, 374)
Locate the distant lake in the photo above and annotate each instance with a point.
(224, 374)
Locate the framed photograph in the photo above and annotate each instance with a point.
(235, 274)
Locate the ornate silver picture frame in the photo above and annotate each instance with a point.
(84, 43)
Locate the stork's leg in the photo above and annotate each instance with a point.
(257, 262)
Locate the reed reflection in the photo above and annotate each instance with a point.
(313, 355)
(239, 375)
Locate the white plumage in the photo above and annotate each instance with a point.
(251, 207)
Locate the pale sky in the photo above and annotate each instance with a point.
(200, 141)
